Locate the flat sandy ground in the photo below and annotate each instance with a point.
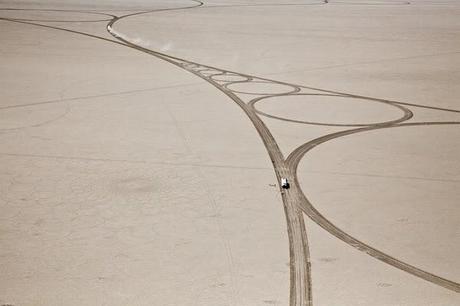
(131, 177)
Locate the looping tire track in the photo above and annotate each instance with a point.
(407, 114)
(294, 200)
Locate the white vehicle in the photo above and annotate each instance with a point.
(284, 183)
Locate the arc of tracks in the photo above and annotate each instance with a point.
(407, 114)
(307, 207)
(108, 17)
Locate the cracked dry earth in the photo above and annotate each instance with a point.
(143, 142)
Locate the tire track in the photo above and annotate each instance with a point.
(406, 113)
(108, 17)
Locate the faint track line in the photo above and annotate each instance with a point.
(112, 94)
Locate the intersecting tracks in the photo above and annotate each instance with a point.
(294, 200)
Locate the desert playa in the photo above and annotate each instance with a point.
(230, 153)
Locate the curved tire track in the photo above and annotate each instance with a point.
(307, 207)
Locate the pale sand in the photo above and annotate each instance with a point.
(127, 180)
